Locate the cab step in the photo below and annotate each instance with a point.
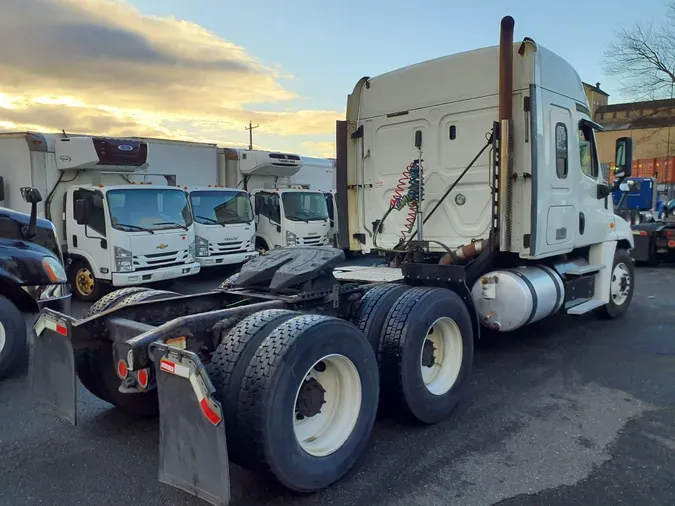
(581, 270)
(585, 307)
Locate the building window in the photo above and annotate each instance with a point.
(561, 142)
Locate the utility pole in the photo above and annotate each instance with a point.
(250, 128)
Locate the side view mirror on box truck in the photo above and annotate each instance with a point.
(623, 160)
(31, 195)
(81, 211)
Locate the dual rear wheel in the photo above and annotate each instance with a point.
(300, 393)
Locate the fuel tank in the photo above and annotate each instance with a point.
(511, 298)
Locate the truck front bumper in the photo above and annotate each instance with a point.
(161, 274)
(236, 258)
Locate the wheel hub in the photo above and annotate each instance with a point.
(428, 357)
(84, 281)
(310, 400)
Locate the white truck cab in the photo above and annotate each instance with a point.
(224, 225)
(290, 217)
(114, 233)
(127, 235)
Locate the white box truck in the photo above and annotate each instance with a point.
(319, 174)
(114, 233)
(223, 217)
(285, 214)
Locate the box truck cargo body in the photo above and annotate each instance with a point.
(114, 233)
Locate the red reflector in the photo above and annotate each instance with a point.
(212, 416)
(643, 233)
(122, 369)
(671, 244)
(143, 377)
(61, 329)
(670, 233)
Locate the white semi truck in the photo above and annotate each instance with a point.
(284, 367)
(223, 217)
(114, 233)
(285, 214)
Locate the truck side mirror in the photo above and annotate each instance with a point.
(31, 195)
(81, 212)
(623, 160)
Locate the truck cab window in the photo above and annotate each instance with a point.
(95, 211)
(561, 149)
(587, 152)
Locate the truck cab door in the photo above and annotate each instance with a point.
(88, 238)
(594, 212)
(555, 187)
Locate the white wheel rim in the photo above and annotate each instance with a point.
(325, 432)
(448, 350)
(621, 283)
(3, 338)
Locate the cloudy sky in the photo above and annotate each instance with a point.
(201, 69)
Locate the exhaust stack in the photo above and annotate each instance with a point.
(505, 163)
(506, 68)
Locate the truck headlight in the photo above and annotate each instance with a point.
(123, 260)
(191, 252)
(291, 239)
(202, 246)
(54, 270)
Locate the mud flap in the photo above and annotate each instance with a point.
(52, 365)
(192, 445)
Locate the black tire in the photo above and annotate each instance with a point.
(261, 245)
(87, 360)
(267, 401)
(229, 362)
(13, 337)
(403, 338)
(612, 309)
(96, 368)
(372, 310)
(82, 268)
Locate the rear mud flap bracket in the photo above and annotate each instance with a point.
(192, 446)
(52, 365)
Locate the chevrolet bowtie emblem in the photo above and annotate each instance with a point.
(162, 246)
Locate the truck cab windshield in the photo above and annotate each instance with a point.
(305, 206)
(221, 207)
(148, 209)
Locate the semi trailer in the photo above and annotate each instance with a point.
(113, 233)
(284, 367)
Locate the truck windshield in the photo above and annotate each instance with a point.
(221, 207)
(135, 210)
(304, 206)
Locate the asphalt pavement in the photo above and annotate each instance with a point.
(571, 410)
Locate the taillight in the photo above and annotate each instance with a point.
(122, 369)
(143, 378)
(671, 244)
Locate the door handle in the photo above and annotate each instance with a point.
(582, 223)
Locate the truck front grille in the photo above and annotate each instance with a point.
(156, 260)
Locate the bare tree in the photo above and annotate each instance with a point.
(643, 58)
